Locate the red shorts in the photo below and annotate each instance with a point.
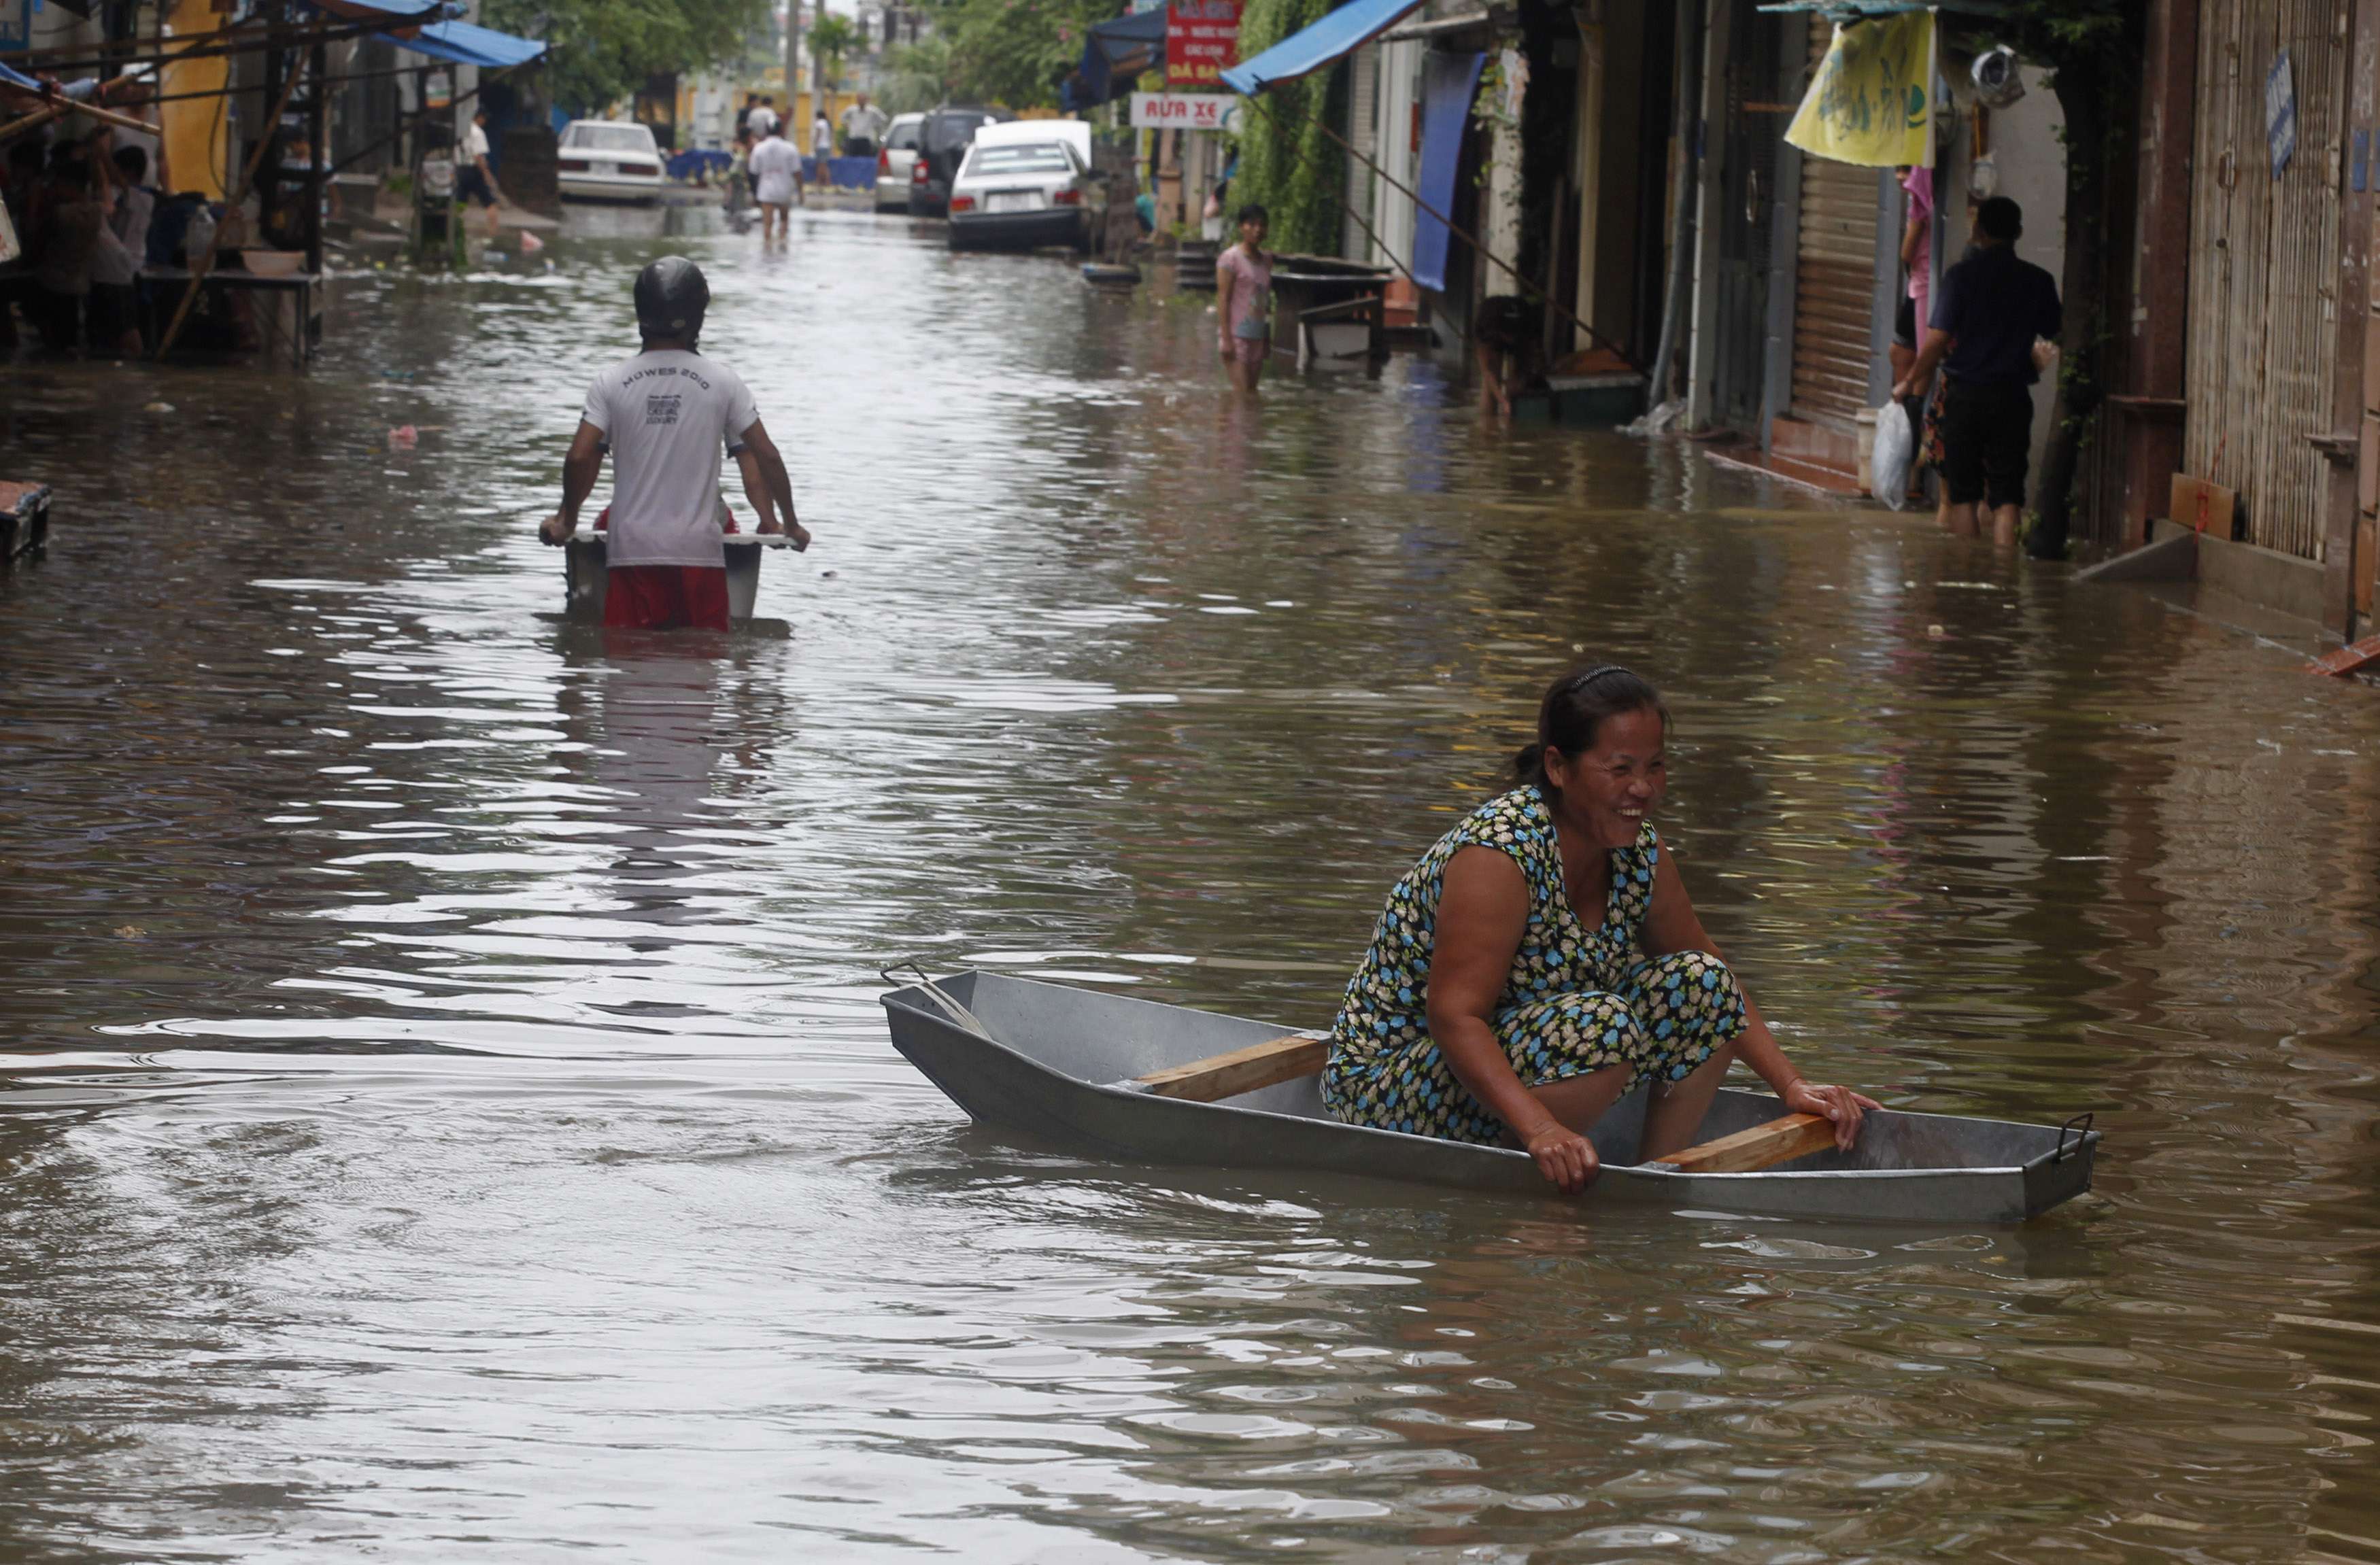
(665, 598)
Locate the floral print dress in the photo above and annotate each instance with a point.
(1577, 999)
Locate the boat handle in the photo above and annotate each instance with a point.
(918, 978)
(2080, 1127)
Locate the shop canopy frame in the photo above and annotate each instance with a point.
(1326, 42)
(1115, 55)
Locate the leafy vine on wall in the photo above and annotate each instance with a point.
(1287, 163)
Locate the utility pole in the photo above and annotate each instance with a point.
(792, 65)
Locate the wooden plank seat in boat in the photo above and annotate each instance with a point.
(1278, 1060)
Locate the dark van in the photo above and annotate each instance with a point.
(942, 143)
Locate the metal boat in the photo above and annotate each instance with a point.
(585, 572)
(24, 519)
(1062, 1064)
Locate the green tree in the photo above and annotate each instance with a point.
(1012, 53)
(602, 50)
(833, 36)
(1287, 163)
(917, 76)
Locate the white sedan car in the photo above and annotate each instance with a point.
(1026, 184)
(608, 160)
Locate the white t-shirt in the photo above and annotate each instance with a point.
(668, 415)
(475, 142)
(821, 137)
(774, 167)
(761, 121)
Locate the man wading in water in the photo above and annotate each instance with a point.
(663, 415)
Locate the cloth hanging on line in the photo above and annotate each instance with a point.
(1448, 82)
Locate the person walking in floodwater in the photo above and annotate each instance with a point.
(1243, 301)
(1992, 333)
(664, 414)
(1490, 1010)
(776, 172)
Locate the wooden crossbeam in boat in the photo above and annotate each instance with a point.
(1779, 1141)
(1242, 1070)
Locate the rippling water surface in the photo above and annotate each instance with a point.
(449, 1115)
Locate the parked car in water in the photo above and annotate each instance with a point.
(608, 160)
(1028, 183)
(895, 160)
(943, 141)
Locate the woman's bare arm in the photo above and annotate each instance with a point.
(1483, 911)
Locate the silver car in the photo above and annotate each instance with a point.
(895, 160)
(1018, 190)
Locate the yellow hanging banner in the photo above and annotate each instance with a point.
(1872, 102)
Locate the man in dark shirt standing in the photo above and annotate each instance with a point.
(1990, 309)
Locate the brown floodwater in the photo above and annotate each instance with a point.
(448, 1112)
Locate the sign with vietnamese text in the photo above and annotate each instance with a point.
(1202, 39)
(2281, 112)
(1185, 110)
(1872, 100)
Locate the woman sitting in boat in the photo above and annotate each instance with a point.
(1490, 1010)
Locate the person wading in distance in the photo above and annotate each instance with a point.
(1243, 301)
(665, 416)
(1992, 333)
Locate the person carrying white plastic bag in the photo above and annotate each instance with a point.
(1896, 452)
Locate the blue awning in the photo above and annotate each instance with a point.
(382, 11)
(1115, 55)
(1340, 33)
(468, 43)
(1446, 83)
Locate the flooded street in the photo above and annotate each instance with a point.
(450, 1114)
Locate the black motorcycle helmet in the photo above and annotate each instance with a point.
(671, 298)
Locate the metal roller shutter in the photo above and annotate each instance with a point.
(1834, 281)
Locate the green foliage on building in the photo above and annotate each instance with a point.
(1287, 165)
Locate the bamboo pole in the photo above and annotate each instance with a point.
(31, 122)
(214, 240)
(40, 118)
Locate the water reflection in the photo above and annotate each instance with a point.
(453, 1101)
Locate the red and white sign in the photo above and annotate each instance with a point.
(1202, 39)
(1184, 111)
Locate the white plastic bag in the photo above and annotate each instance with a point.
(1896, 448)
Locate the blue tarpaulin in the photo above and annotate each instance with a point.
(1115, 55)
(468, 43)
(17, 79)
(1339, 34)
(377, 10)
(1446, 83)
